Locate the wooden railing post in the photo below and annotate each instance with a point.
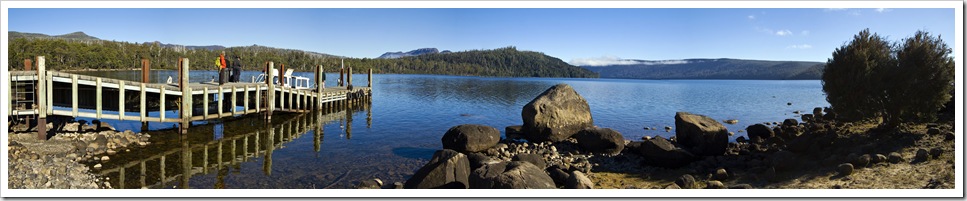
(349, 76)
(270, 95)
(145, 71)
(370, 77)
(184, 65)
(41, 99)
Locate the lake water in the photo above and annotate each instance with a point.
(395, 134)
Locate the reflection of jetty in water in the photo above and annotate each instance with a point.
(177, 163)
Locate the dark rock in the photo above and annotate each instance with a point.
(479, 159)
(370, 184)
(844, 169)
(535, 159)
(577, 180)
(514, 132)
(558, 175)
(818, 113)
(922, 155)
(783, 160)
(512, 175)
(600, 140)
(102, 126)
(447, 169)
(895, 157)
(863, 160)
(700, 134)
(933, 131)
(949, 136)
(556, 114)
(741, 186)
(807, 118)
(878, 158)
(790, 122)
(662, 153)
(721, 174)
(760, 131)
(686, 182)
(673, 186)
(936, 152)
(714, 185)
(741, 139)
(470, 138)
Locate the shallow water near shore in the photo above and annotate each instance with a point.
(395, 134)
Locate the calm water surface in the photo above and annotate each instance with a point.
(400, 129)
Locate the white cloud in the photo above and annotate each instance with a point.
(883, 10)
(783, 32)
(751, 17)
(612, 60)
(803, 46)
(805, 32)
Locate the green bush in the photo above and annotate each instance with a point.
(869, 78)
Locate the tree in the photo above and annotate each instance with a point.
(853, 78)
(869, 78)
(922, 80)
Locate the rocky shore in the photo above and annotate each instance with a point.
(559, 147)
(59, 162)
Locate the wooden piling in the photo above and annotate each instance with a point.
(270, 99)
(349, 76)
(145, 71)
(234, 101)
(245, 102)
(120, 100)
(98, 94)
(320, 85)
(258, 97)
(74, 96)
(144, 106)
(162, 108)
(184, 66)
(205, 103)
(28, 64)
(221, 98)
(41, 99)
(369, 78)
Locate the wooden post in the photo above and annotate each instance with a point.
(145, 71)
(28, 64)
(349, 76)
(144, 108)
(121, 100)
(74, 95)
(162, 108)
(143, 175)
(370, 77)
(98, 95)
(342, 69)
(50, 93)
(258, 97)
(270, 96)
(245, 100)
(221, 98)
(184, 66)
(234, 101)
(282, 83)
(205, 104)
(42, 99)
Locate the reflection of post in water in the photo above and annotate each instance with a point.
(349, 121)
(185, 162)
(318, 134)
(220, 179)
(369, 114)
(269, 147)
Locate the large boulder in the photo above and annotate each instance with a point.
(600, 140)
(470, 138)
(447, 169)
(535, 159)
(700, 134)
(510, 175)
(760, 131)
(556, 114)
(662, 153)
(577, 180)
(514, 132)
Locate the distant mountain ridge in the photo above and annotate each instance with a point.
(416, 52)
(711, 69)
(73, 36)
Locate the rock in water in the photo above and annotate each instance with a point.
(510, 175)
(601, 140)
(470, 138)
(818, 113)
(700, 134)
(760, 131)
(662, 153)
(514, 132)
(447, 169)
(556, 114)
(577, 180)
(844, 169)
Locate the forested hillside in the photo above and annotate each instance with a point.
(92, 53)
(713, 69)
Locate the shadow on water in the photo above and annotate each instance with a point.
(219, 147)
(413, 152)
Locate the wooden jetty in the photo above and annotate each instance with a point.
(39, 93)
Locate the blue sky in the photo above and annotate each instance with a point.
(579, 36)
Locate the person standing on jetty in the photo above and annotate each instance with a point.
(236, 69)
(221, 68)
